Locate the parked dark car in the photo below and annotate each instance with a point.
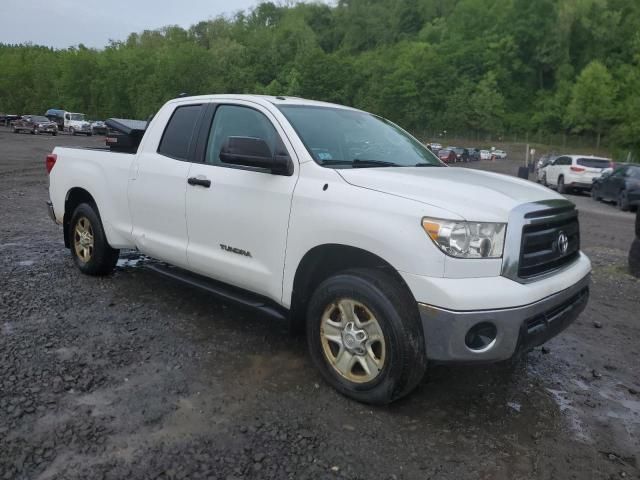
(447, 155)
(7, 119)
(35, 124)
(462, 154)
(622, 186)
(474, 154)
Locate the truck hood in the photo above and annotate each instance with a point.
(471, 194)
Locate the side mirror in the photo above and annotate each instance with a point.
(254, 152)
(607, 171)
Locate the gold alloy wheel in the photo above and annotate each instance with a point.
(352, 340)
(83, 239)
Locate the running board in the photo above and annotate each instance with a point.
(223, 291)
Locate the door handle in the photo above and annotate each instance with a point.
(203, 182)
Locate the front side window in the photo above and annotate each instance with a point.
(77, 117)
(238, 121)
(342, 138)
(178, 134)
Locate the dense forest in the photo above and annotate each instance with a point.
(482, 67)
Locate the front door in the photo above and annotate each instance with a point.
(238, 223)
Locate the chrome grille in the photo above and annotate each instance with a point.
(541, 250)
(531, 245)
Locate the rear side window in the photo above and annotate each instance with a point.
(178, 134)
(593, 163)
(634, 172)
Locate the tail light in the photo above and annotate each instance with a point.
(577, 169)
(50, 161)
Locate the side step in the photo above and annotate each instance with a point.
(223, 291)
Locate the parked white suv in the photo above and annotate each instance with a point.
(573, 172)
(340, 222)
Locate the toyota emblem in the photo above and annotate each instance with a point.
(563, 243)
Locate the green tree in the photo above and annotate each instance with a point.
(592, 100)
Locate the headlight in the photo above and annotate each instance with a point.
(466, 239)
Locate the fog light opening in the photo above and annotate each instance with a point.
(481, 336)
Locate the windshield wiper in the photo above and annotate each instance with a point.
(360, 163)
(426, 165)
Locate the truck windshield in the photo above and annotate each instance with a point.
(341, 138)
(77, 116)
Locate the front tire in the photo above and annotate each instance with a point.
(89, 248)
(365, 337)
(72, 131)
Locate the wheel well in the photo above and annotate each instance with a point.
(320, 263)
(75, 197)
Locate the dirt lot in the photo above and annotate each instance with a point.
(133, 376)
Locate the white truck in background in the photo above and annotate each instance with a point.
(340, 222)
(76, 123)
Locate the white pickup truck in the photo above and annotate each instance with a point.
(339, 221)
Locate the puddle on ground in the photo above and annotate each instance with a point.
(131, 259)
(565, 404)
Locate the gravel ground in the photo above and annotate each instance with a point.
(133, 376)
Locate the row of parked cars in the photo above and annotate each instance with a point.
(54, 121)
(452, 154)
(605, 180)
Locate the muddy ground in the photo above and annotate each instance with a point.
(134, 376)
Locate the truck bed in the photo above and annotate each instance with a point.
(106, 175)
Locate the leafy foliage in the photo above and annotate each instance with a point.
(483, 66)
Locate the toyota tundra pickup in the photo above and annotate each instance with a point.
(338, 221)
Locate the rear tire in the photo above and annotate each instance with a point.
(89, 247)
(561, 187)
(623, 201)
(366, 297)
(594, 194)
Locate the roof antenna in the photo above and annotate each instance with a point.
(183, 94)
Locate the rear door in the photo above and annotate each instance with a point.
(159, 184)
(614, 183)
(238, 224)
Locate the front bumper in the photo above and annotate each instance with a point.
(518, 328)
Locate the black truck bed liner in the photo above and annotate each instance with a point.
(124, 134)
